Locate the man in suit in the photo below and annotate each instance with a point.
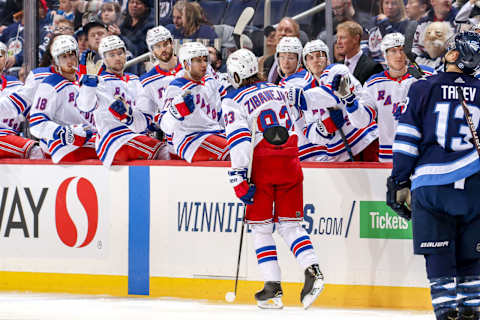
(362, 66)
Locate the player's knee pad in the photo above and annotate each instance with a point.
(444, 296)
(440, 265)
(468, 290)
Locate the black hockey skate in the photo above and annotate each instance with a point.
(449, 315)
(270, 297)
(313, 285)
(469, 314)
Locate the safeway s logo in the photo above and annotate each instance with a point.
(76, 212)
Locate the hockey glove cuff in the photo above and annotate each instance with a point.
(399, 197)
(297, 98)
(182, 106)
(89, 80)
(243, 190)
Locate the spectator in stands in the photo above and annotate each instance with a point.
(215, 58)
(195, 25)
(95, 32)
(63, 26)
(287, 27)
(110, 13)
(343, 10)
(416, 9)
(66, 9)
(7, 9)
(270, 35)
(361, 65)
(435, 44)
(165, 10)
(442, 10)
(392, 18)
(177, 17)
(138, 20)
(82, 40)
(337, 56)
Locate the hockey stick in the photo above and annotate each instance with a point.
(230, 296)
(347, 145)
(419, 72)
(242, 22)
(468, 118)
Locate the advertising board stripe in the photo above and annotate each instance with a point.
(139, 231)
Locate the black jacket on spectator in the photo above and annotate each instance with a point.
(7, 9)
(136, 34)
(366, 67)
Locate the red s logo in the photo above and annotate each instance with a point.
(76, 212)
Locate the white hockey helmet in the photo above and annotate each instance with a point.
(110, 43)
(392, 40)
(290, 45)
(3, 49)
(156, 35)
(242, 64)
(61, 45)
(191, 50)
(314, 46)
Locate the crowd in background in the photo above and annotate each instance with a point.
(426, 25)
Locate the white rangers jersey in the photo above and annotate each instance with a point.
(188, 135)
(263, 104)
(151, 100)
(111, 133)
(10, 116)
(319, 99)
(382, 98)
(54, 106)
(297, 80)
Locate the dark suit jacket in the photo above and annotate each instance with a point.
(365, 68)
(267, 66)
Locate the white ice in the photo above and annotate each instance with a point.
(20, 306)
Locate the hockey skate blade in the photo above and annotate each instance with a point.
(312, 296)
(274, 303)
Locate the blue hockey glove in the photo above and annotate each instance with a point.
(297, 98)
(243, 190)
(89, 80)
(398, 197)
(76, 135)
(121, 111)
(182, 106)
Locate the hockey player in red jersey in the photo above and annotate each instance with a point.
(63, 131)
(194, 109)
(263, 109)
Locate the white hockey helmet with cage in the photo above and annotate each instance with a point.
(290, 45)
(191, 50)
(110, 43)
(156, 35)
(61, 45)
(314, 46)
(241, 65)
(392, 40)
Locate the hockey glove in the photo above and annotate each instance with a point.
(89, 80)
(331, 121)
(182, 106)
(121, 111)
(297, 98)
(243, 190)
(87, 55)
(398, 197)
(76, 135)
(398, 110)
(343, 89)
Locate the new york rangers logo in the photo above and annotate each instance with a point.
(76, 212)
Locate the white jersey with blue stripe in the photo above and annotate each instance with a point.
(10, 116)
(206, 118)
(433, 142)
(319, 99)
(55, 105)
(379, 100)
(112, 134)
(263, 102)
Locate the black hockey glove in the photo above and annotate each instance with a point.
(398, 197)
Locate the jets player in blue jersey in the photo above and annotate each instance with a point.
(435, 156)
